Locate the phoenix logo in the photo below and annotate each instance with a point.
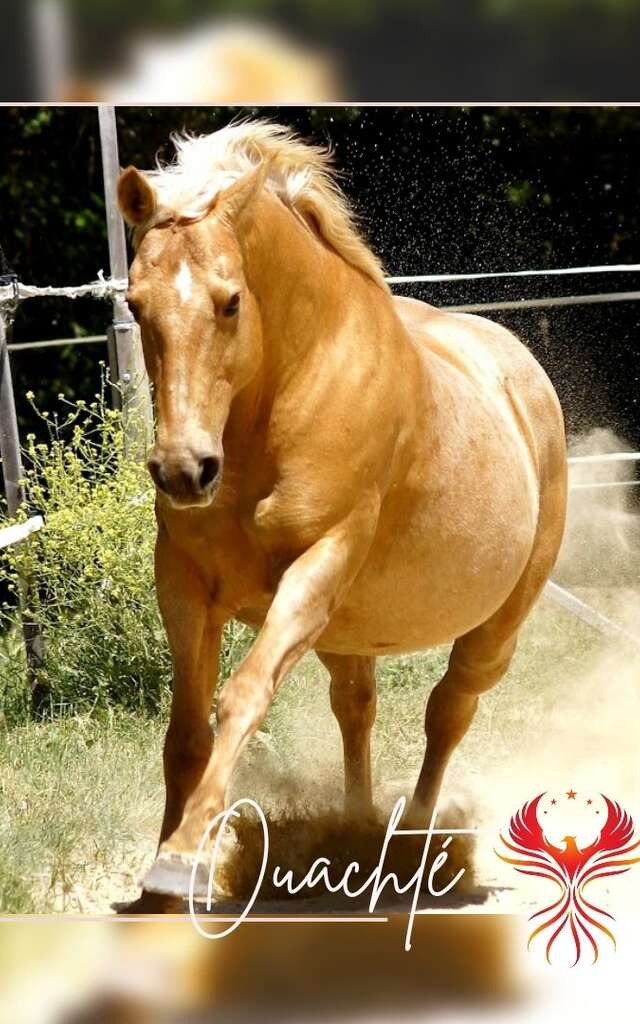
(572, 869)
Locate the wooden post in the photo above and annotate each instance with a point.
(125, 349)
(13, 473)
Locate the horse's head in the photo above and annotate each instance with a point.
(201, 329)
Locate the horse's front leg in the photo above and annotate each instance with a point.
(353, 702)
(301, 609)
(194, 629)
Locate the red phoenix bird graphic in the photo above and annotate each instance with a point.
(572, 870)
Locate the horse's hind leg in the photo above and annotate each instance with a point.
(478, 661)
(480, 658)
(353, 702)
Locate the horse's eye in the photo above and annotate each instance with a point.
(232, 306)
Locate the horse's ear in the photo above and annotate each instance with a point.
(136, 198)
(237, 198)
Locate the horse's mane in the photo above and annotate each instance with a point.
(300, 174)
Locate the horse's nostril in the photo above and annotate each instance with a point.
(154, 466)
(185, 475)
(209, 469)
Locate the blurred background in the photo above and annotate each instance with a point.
(274, 51)
(162, 972)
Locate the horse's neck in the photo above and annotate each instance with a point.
(302, 286)
(305, 292)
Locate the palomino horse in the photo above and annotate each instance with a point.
(342, 470)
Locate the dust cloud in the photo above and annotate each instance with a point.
(602, 540)
(303, 835)
(577, 689)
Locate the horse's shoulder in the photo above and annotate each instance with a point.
(448, 338)
(452, 335)
(415, 312)
(465, 338)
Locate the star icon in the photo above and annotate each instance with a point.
(571, 794)
(554, 801)
(589, 802)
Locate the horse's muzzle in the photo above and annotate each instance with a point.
(187, 478)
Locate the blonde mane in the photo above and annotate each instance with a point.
(300, 174)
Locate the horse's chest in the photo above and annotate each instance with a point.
(237, 572)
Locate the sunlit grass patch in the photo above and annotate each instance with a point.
(80, 803)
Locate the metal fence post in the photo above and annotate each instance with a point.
(12, 469)
(125, 349)
(13, 474)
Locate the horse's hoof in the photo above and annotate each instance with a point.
(172, 874)
(150, 903)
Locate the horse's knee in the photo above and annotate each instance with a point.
(243, 702)
(353, 694)
(187, 749)
(354, 705)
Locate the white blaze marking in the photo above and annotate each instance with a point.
(184, 282)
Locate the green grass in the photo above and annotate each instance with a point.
(80, 800)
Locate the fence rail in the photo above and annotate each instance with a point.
(89, 339)
(605, 457)
(491, 275)
(561, 300)
(20, 531)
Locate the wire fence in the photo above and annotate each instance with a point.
(601, 298)
(109, 288)
(115, 289)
